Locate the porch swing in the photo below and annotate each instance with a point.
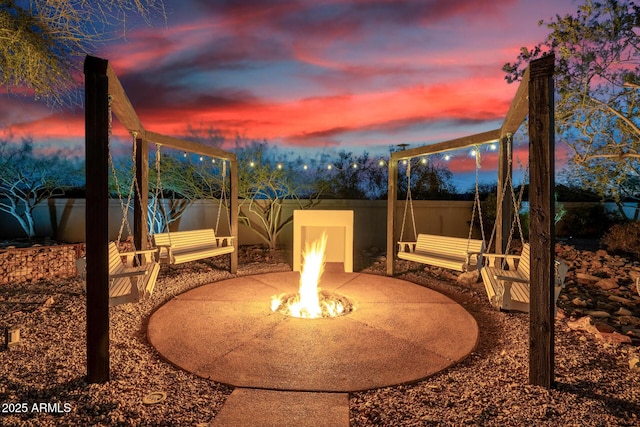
(177, 247)
(132, 274)
(454, 253)
(506, 277)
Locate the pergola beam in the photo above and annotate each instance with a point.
(454, 144)
(189, 146)
(121, 105)
(518, 109)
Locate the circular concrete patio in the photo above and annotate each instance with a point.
(400, 332)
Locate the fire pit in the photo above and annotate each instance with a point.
(226, 331)
(311, 302)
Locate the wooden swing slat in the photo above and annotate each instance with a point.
(177, 247)
(454, 253)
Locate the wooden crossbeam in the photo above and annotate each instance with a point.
(454, 144)
(121, 105)
(518, 109)
(188, 146)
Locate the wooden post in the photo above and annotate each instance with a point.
(141, 195)
(392, 200)
(541, 187)
(233, 212)
(505, 174)
(97, 230)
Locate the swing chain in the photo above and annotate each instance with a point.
(408, 203)
(223, 196)
(476, 200)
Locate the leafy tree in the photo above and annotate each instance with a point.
(597, 103)
(355, 177)
(26, 180)
(431, 179)
(42, 42)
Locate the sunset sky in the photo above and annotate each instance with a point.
(313, 76)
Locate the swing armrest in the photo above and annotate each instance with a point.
(130, 272)
(147, 255)
(407, 246)
(511, 279)
(490, 259)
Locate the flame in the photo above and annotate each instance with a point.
(312, 268)
(309, 302)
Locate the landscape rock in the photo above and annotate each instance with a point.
(607, 284)
(468, 278)
(598, 313)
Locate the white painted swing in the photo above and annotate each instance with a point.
(133, 274)
(177, 247)
(506, 277)
(454, 253)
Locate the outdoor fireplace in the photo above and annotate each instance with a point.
(309, 225)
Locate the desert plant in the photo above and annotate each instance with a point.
(623, 237)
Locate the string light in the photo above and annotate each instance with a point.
(279, 165)
(423, 160)
(252, 164)
(355, 166)
(201, 158)
(305, 167)
(329, 167)
(493, 146)
(447, 157)
(473, 152)
(381, 163)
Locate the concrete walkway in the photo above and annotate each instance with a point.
(399, 333)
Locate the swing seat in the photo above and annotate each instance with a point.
(178, 247)
(508, 288)
(128, 282)
(454, 253)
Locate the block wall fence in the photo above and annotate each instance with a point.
(64, 220)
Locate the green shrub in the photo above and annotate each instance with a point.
(590, 221)
(623, 237)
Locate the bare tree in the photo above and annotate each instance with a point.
(42, 43)
(265, 182)
(26, 180)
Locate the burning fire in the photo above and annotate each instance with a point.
(310, 302)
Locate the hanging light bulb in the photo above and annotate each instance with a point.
(305, 167)
(381, 163)
(329, 167)
(493, 146)
(279, 165)
(447, 157)
(355, 166)
(423, 160)
(252, 164)
(201, 158)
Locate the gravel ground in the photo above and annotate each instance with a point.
(42, 379)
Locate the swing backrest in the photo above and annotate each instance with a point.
(524, 264)
(448, 246)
